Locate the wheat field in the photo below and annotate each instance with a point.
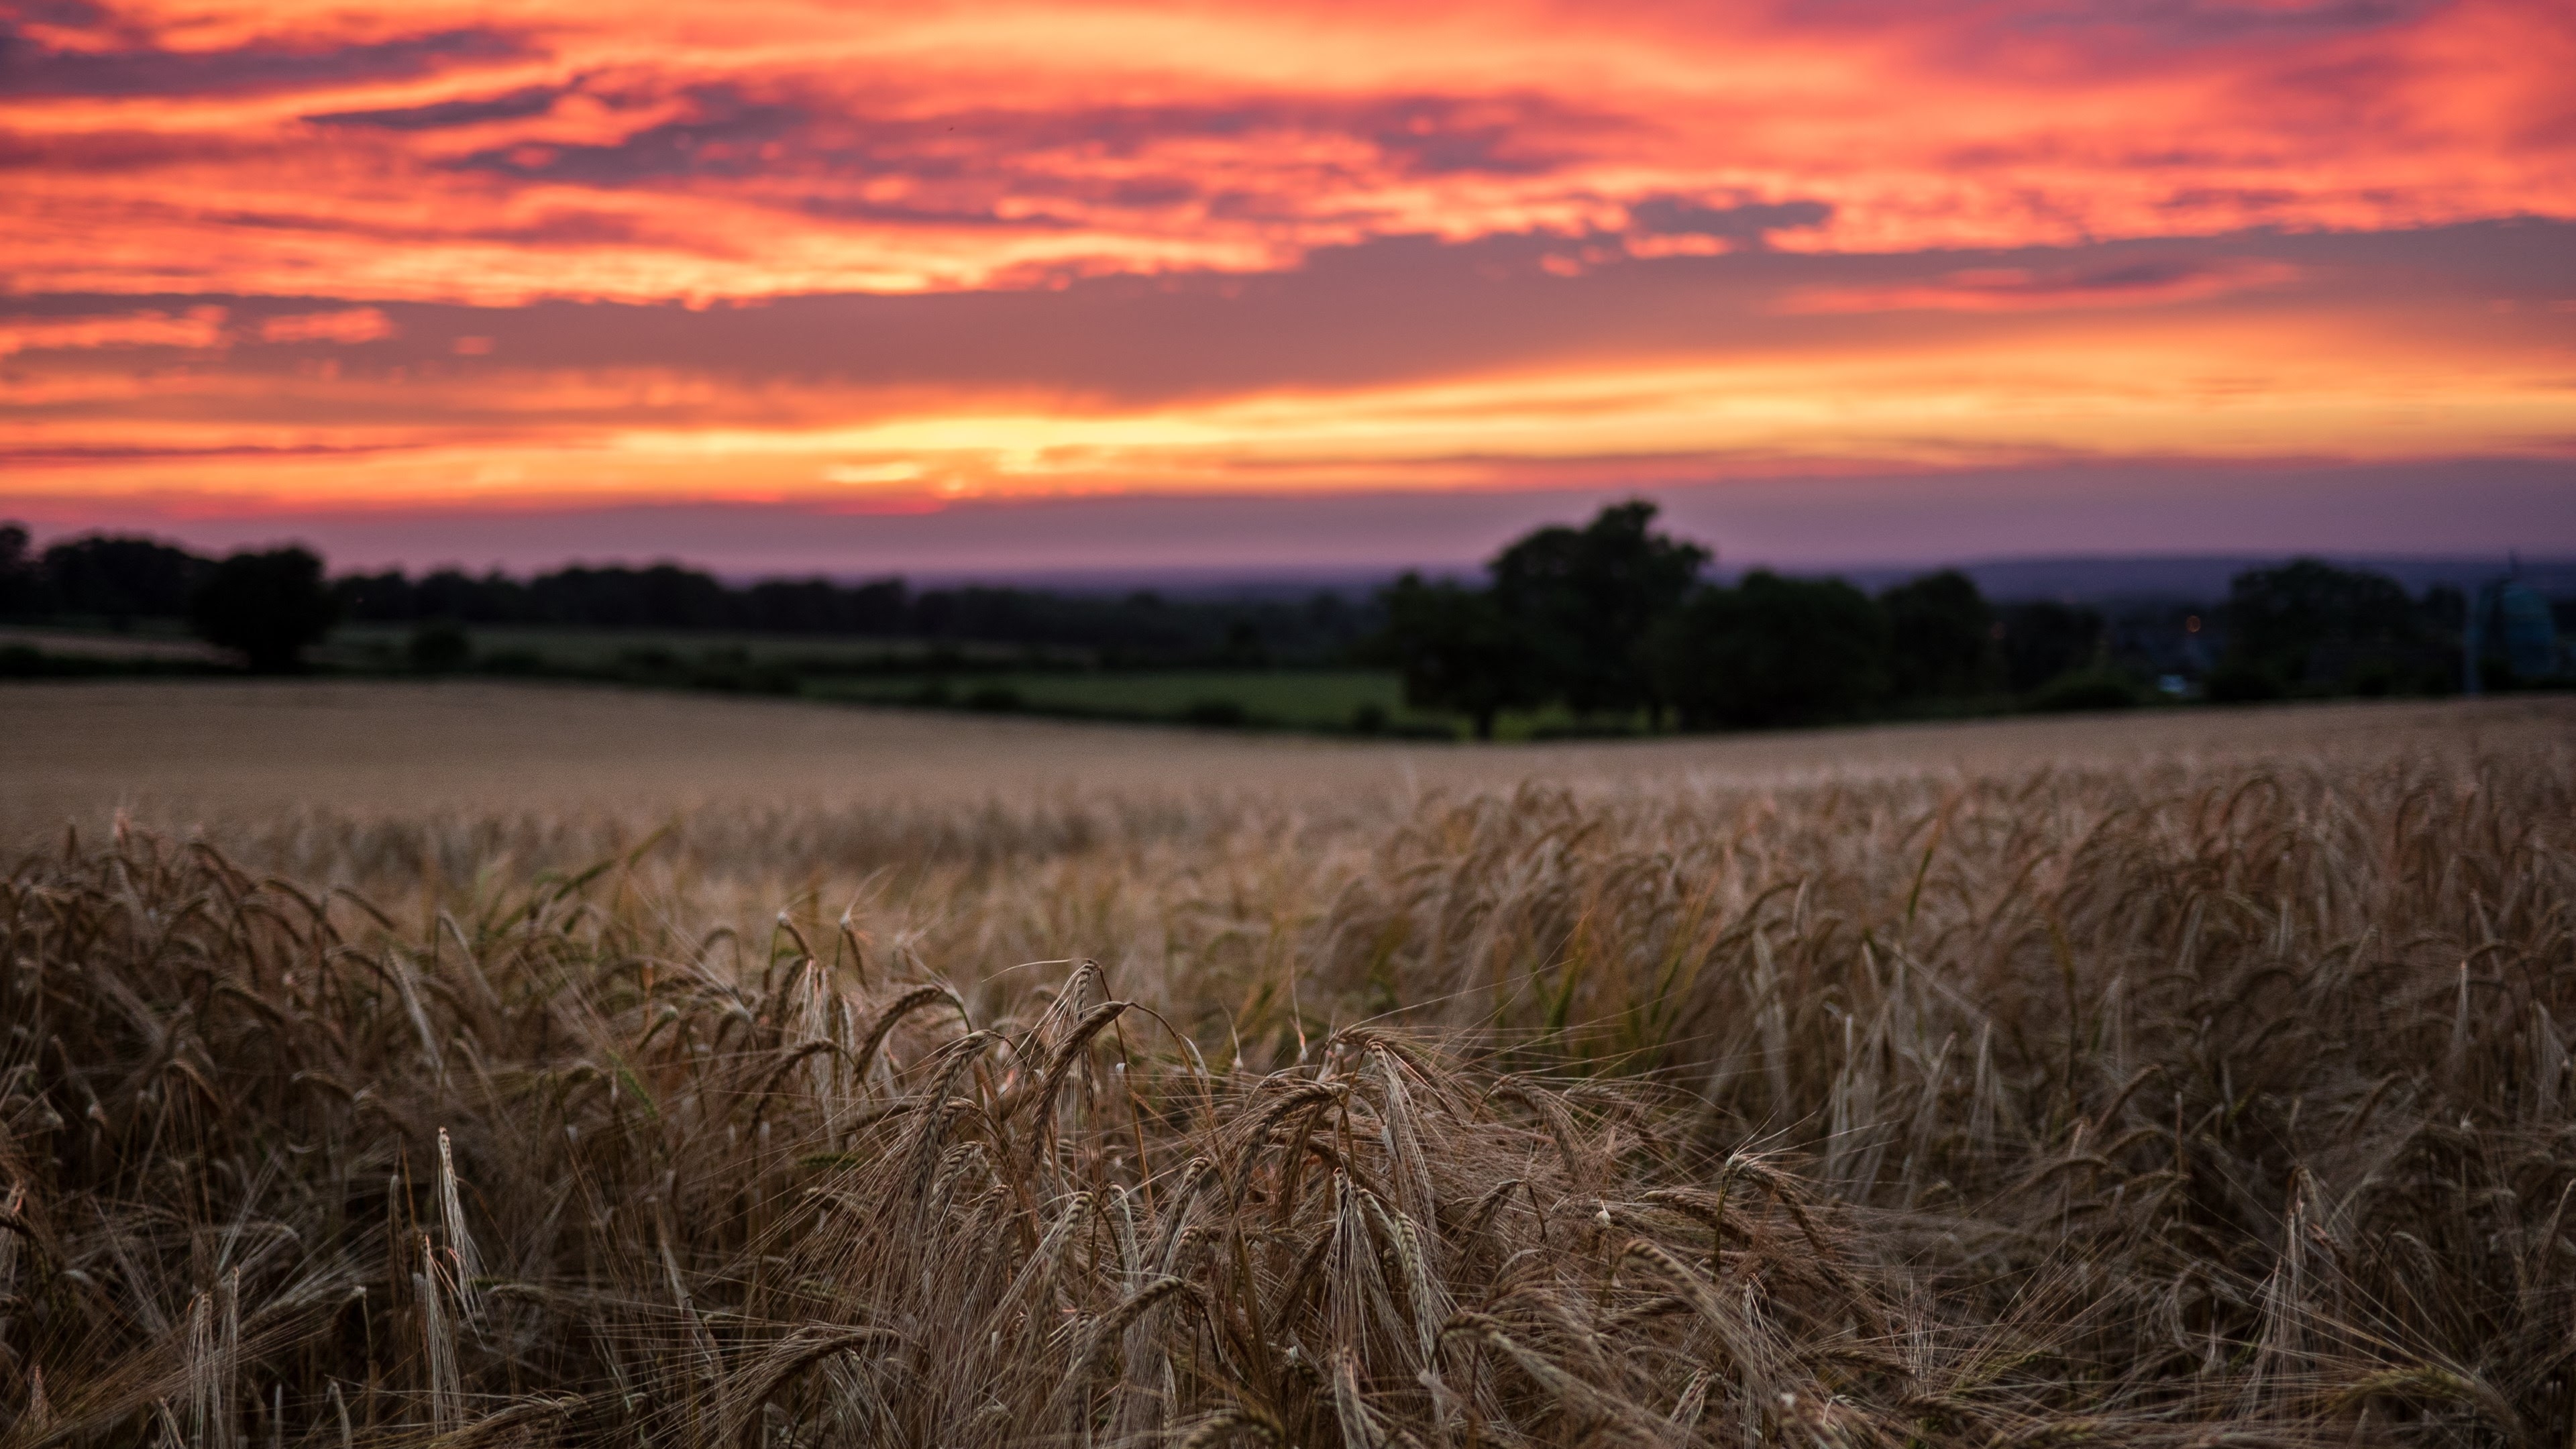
(479, 1067)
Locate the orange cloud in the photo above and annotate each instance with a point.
(523, 249)
(497, 152)
(197, 327)
(2144, 283)
(2249, 389)
(349, 324)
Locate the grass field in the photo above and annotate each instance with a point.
(553, 1065)
(108, 644)
(1305, 698)
(985, 678)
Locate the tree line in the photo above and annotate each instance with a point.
(120, 579)
(267, 605)
(1616, 620)
(1613, 621)
(1142, 626)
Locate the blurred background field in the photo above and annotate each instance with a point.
(227, 755)
(1361, 700)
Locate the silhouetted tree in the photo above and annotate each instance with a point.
(1456, 651)
(268, 606)
(380, 598)
(1586, 600)
(2444, 609)
(1243, 646)
(819, 606)
(661, 596)
(122, 578)
(2042, 640)
(494, 598)
(1941, 636)
(21, 585)
(2234, 681)
(2278, 619)
(1774, 651)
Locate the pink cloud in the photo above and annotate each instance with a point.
(1154, 245)
(197, 328)
(2022, 289)
(661, 156)
(349, 324)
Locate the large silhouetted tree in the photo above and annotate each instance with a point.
(1586, 600)
(267, 606)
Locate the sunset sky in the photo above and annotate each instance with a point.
(768, 284)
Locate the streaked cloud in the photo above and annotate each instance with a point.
(82, 50)
(2145, 282)
(519, 104)
(347, 324)
(197, 327)
(528, 252)
(541, 150)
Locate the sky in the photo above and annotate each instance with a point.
(783, 286)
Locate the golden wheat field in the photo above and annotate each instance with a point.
(463, 1065)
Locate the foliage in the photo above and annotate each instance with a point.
(120, 578)
(1584, 602)
(1135, 627)
(22, 584)
(1941, 637)
(2043, 640)
(1774, 651)
(1457, 651)
(1608, 619)
(2086, 689)
(1583, 626)
(438, 647)
(269, 606)
(128, 578)
(2279, 618)
(2240, 681)
(2176, 1105)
